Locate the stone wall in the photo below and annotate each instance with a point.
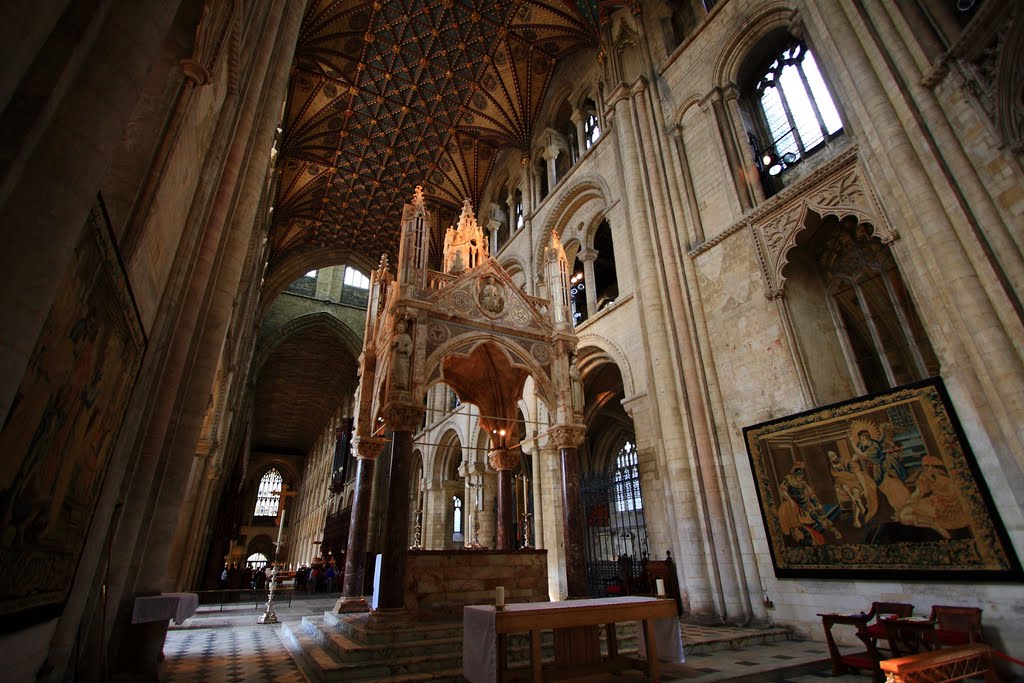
(439, 583)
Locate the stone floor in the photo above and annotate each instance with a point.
(228, 645)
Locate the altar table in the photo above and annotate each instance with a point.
(152, 614)
(577, 645)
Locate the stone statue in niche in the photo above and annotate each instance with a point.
(577, 387)
(492, 299)
(401, 347)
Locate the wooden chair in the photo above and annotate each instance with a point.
(954, 626)
(868, 632)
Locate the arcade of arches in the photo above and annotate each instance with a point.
(268, 265)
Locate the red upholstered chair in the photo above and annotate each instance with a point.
(870, 628)
(954, 626)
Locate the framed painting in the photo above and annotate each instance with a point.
(62, 426)
(880, 487)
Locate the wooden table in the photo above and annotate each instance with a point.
(576, 626)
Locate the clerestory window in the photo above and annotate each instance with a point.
(591, 129)
(797, 109)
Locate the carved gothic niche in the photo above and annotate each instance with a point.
(839, 189)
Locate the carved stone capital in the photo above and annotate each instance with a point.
(503, 458)
(587, 255)
(368, 447)
(566, 436)
(403, 417)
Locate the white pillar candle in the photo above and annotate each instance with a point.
(280, 529)
(660, 583)
(499, 596)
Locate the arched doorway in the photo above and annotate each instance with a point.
(615, 531)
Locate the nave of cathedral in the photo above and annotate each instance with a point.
(721, 293)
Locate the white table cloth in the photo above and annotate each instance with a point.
(479, 638)
(177, 606)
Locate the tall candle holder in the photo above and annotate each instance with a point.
(417, 537)
(526, 532)
(269, 616)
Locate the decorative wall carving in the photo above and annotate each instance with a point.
(838, 189)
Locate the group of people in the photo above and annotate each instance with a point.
(319, 578)
(921, 495)
(234, 577)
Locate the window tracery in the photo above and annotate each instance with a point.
(268, 495)
(796, 113)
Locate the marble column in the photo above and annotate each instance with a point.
(367, 449)
(403, 420)
(587, 256)
(504, 460)
(567, 439)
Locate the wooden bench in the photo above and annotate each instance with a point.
(950, 664)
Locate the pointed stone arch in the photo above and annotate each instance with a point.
(351, 340)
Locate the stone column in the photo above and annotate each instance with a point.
(567, 439)
(493, 227)
(367, 449)
(403, 419)
(511, 202)
(590, 286)
(550, 154)
(578, 118)
(504, 460)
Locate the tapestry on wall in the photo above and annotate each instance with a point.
(62, 426)
(883, 486)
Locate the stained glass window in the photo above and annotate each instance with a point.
(627, 479)
(268, 495)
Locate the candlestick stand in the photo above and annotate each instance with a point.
(417, 538)
(475, 545)
(526, 532)
(270, 616)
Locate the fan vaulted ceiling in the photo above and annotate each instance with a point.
(392, 94)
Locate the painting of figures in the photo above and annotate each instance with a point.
(877, 487)
(62, 427)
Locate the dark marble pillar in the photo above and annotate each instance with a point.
(504, 460)
(402, 419)
(568, 439)
(352, 600)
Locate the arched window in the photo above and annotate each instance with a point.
(591, 129)
(796, 114)
(268, 496)
(606, 281)
(457, 518)
(627, 480)
(257, 560)
(519, 221)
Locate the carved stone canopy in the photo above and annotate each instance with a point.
(472, 328)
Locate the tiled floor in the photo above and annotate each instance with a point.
(229, 645)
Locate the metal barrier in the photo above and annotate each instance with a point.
(241, 596)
